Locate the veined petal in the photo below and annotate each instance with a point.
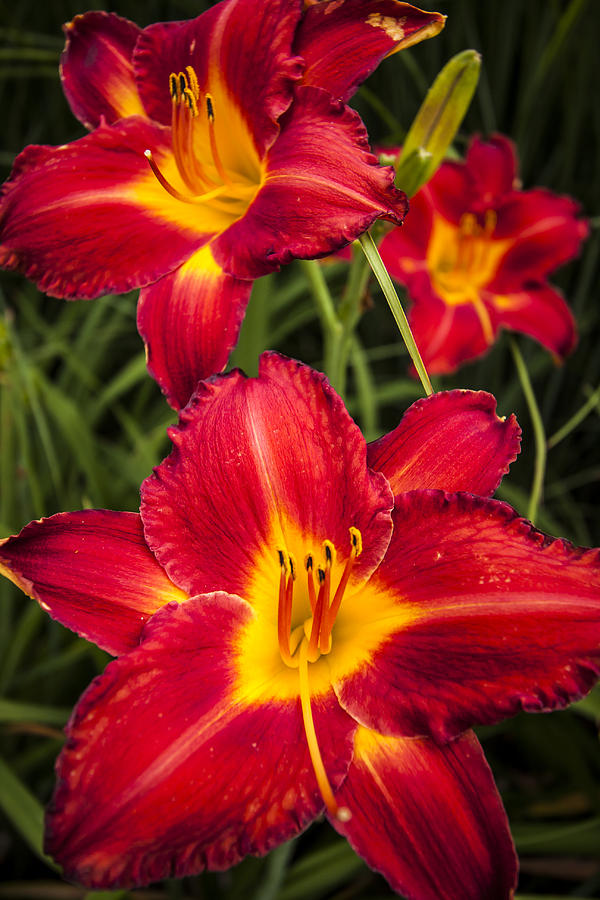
(492, 168)
(261, 465)
(166, 772)
(428, 818)
(190, 322)
(93, 572)
(323, 187)
(343, 42)
(90, 217)
(539, 311)
(447, 336)
(503, 619)
(96, 68)
(453, 440)
(547, 230)
(239, 49)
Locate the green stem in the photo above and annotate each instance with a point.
(365, 390)
(385, 282)
(331, 325)
(575, 420)
(539, 469)
(349, 313)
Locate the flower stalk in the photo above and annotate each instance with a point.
(385, 282)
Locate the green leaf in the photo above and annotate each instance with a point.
(24, 811)
(15, 711)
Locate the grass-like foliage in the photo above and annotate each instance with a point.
(82, 424)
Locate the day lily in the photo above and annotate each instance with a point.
(220, 149)
(475, 254)
(306, 624)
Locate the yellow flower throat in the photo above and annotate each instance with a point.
(206, 175)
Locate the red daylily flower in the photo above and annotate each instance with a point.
(306, 623)
(221, 148)
(475, 254)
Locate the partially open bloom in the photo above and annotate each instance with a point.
(475, 255)
(221, 148)
(306, 624)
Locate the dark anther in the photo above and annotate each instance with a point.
(309, 563)
(183, 85)
(209, 109)
(173, 85)
(321, 575)
(328, 553)
(292, 569)
(281, 559)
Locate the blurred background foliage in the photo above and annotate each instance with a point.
(81, 425)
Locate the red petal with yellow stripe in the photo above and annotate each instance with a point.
(96, 68)
(308, 204)
(170, 767)
(429, 818)
(190, 322)
(92, 571)
(90, 217)
(497, 618)
(241, 51)
(284, 468)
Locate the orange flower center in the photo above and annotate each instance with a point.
(306, 643)
(464, 260)
(207, 175)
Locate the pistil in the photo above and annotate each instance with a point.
(342, 813)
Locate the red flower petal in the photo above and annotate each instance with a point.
(259, 465)
(343, 42)
(243, 46)
(428, 818)
(446, 336)
(491, 168)
(90, 217)
(497, 618)
(190, 322)
(96, 68)
(323, 188)
(170, 768)
(92, 571)
(453, 441)
(538, 311)
(547, 231)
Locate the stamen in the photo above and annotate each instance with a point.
(320, 610)
(342, 813)
(312, 597)
(197, 198)
(332, 611)
(210, 112)
(185, 93)
(193, 81)
(284, 610)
